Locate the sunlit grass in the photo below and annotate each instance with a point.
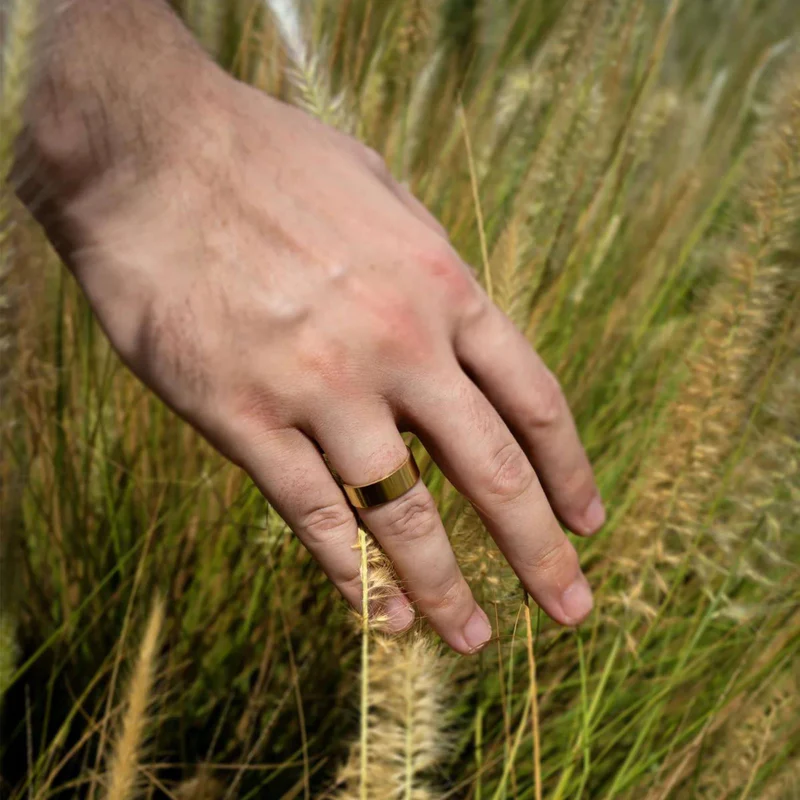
(625, 177)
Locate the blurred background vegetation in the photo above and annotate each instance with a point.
(625, 175)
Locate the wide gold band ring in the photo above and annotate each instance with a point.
(394, 485)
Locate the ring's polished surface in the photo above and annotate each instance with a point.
(391, 487)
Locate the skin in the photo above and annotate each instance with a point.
(270, 281)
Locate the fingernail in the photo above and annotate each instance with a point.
(477, 631)
(595, 515)
(399, 613)
(576, 602)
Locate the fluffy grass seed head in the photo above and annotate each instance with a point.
(123, 770)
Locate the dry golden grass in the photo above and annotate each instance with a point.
(123, 777)
(739, 342)
(407, 722)
(630, 198)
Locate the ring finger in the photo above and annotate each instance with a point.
(408, 528)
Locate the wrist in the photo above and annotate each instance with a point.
(117, 89)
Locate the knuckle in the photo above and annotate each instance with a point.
(244, 436)
(556, 559)
(475, 305)
(440, 262)
(412, 516)
(320, 522)
(549, 404)
(510, 473)
(392, 323)
(401, 335)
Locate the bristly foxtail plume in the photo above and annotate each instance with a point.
(287, 16)
(20, 32)
(514, 282)
(307, 73)
(489, 575)
(737, 344)
(406, 724)
(756, 733)
(570, 152)
(764, 495)
(784, 783)
(381, 583)
(123, 772)
(402, 727)
(402, 692)
(21, 28)
(414, 26)
(19, 37)
(422, 95)
(205, 18)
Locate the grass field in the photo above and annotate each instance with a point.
(625, 176)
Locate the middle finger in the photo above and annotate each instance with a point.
(478, 453)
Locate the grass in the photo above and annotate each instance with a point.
(625, 176)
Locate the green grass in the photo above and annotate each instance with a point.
(637, 166)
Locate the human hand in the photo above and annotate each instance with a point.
(268, 279)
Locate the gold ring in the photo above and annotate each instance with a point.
(391, 487)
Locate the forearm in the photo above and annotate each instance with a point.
(111, 84)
